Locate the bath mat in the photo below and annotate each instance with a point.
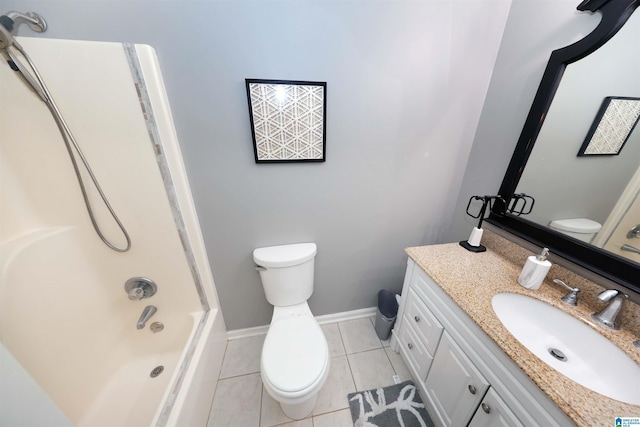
(394, 406)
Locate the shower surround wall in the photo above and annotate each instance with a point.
(64, 314)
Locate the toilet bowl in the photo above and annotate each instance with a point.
(295, 360)
(583, 229)
(294, 364)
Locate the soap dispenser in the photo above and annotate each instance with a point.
(535, 270)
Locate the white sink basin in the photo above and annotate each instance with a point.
(581, 353)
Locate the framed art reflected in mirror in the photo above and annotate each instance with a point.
(614, 123)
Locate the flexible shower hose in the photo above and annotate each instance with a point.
(41, 89)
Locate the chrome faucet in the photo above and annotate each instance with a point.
(609, 316)
(572, 297)
(148, 311)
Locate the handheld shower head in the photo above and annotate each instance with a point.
(8, 24)
(11, 20)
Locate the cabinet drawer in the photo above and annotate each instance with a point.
(414, 352)
(425, 323)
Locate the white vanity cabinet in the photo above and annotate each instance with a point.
(463, 376)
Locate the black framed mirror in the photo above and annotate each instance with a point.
(602, 261)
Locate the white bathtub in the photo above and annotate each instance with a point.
(76, 335)
(64, 314)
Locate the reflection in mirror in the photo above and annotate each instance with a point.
(612, 127)
(601, 192)
(567, 186)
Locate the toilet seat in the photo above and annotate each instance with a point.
(294, 355)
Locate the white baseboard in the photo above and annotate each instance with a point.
(346, 315)
(323, 320)
(247, 332)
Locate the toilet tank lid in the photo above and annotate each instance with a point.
(576, 225)
(284, 255)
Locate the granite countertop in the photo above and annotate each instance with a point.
(472, 279)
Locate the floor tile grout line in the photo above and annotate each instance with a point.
(293, 421)
(390, 362)
(344, 347)
(239, 375)
(330, 412)
(346, 355)
(262, 390)
(226, 346)
(364, 351)
(339, 336)
(360, 351)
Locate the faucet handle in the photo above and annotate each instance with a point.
(138, 288)
(572, 297)
(136, 294)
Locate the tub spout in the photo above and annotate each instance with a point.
(148, 311)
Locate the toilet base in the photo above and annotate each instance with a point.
(299, 411)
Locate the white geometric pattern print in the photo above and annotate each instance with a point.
(288, 121)
(615, 125)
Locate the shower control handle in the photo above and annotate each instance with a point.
(634, 232)
(138, 288)
(136, 294)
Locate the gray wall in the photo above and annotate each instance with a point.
(406, 84)
(534, 29)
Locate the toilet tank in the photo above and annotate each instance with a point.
(583, 229)
(287, 272)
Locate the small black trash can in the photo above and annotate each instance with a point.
(386, 313)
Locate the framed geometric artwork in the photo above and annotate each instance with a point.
(288, 120)
(614, 123)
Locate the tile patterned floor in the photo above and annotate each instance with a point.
(359, 361)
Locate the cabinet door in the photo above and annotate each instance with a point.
(493, 412)
(454, 386)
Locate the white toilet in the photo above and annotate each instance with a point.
(579, 228)
(295, 356)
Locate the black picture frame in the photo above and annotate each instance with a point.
(288, 120)
(596, 129)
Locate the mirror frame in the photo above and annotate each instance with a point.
(615, 14)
